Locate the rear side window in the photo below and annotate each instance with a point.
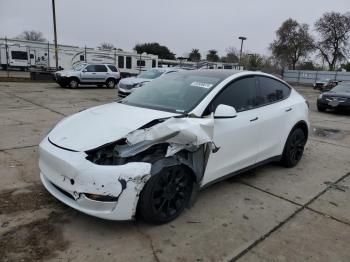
(112, 68)
(128, 62)
(240, 94)
(20, 55)
(121, 61)
(100, 68)
(271, 90)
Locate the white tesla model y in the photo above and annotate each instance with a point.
(150, 152)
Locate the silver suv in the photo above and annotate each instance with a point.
(87, 74)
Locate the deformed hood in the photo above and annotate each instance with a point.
(100, 125)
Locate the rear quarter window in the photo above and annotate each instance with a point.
(112, 68)
(271, 90)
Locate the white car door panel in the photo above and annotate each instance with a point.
(238, 140)
(237, 137)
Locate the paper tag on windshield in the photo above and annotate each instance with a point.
(202, 85)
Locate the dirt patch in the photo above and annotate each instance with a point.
(330, 133)
(36, 241)
(29, 198)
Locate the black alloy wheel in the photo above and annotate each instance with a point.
(294, 148)
(166, 195)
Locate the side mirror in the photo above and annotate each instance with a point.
(225, 111)
(84, 70)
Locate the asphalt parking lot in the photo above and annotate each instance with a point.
(268, 214)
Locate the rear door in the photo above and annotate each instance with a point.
(237, 138)
(275, 110)
(101, 73)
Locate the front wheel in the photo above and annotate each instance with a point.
(294, 148)
(165, 195)
(73, 83)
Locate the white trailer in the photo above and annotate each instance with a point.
(31, 55)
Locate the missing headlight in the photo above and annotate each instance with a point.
(109, 155)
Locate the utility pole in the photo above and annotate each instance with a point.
(242, 38)
(55, 32)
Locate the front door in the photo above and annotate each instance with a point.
(237, 138)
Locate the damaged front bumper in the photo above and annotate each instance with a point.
(105, 191)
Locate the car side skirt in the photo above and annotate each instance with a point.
(264, 162)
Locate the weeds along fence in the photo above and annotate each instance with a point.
(310, 77)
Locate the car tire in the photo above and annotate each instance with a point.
(73, 83)
(63, 85)
(110, 83)
(165, 195)
(294, 148)
(321, 108)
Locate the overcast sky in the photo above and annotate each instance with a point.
(179, 24)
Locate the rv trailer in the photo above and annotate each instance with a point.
(34, 56)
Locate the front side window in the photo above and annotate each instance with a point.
(90, 68)
(240, 94)
(271, 90)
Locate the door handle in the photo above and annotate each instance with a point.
(254, 119)
(289, 109)
(94, 73)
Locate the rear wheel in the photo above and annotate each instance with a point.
(294, 148)
(73, 83)
(110, 83)
(165, 195)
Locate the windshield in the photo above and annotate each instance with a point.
(178, 92)
(342, 88)
(150, 74)
(78, 67)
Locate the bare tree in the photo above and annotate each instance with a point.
(232, 55)
(293, 42)
(32, 36)
(334, 32)
(106, 46)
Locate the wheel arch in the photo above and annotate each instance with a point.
(74, 77)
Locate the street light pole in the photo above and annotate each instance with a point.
(55, 32)
(242, 38)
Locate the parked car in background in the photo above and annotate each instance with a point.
(337, 98)
(325, 84)
(88, 74)
(127, 85)
(149, 153)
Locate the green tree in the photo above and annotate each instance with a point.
(32, 36)
(334, 32)
(161, 51)
(195, 55)
(212, 56)
(293, 43)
